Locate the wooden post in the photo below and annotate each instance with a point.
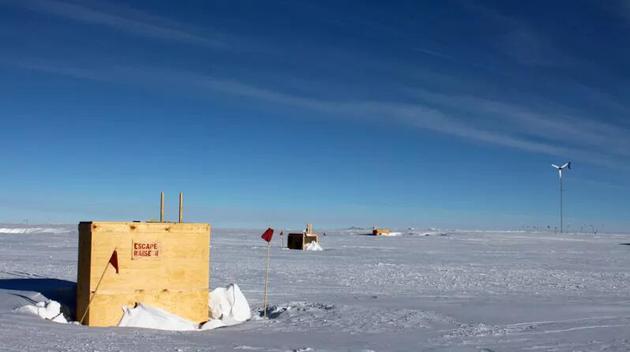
(266, 279)
(181, 207)
(282, 239)
(161, 206)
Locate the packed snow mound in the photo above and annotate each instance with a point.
(32, 230)
(50, 310)
(227, 304)
(313, 246)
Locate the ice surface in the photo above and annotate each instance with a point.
(461, 291)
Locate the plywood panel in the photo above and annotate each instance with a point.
(182, 303)
(176, 279)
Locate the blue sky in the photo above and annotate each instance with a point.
(397, 114)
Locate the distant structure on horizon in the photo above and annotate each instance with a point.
(567, 166)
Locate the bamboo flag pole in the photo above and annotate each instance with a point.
(267, 236)
(265, 302)
(113, 262)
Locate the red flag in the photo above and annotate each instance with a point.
(113, 260)
(267, 235)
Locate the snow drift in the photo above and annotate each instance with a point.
(313, 246)
(50, 310)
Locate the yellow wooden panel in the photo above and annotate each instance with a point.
(126, 227)
(186, 304)
(176, 280)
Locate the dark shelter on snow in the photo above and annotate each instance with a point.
(300, 240)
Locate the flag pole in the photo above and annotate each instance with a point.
(94, 294)
(96, 288)
(266, 279)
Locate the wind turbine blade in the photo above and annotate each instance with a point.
(565, 165)
(556, 166)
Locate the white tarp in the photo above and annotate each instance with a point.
(144, 316)
(227, 304)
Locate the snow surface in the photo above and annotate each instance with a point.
(438, 291)
(34, 229)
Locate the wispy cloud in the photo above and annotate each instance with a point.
(120, 18)
(510, 125)
(553, 123)
(434, 53)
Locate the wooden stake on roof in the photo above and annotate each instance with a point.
(161, 206)
(181, 207)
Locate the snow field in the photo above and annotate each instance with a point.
(455, 291)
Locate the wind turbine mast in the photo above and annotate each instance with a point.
(567, 166)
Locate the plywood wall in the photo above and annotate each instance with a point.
(168, 268)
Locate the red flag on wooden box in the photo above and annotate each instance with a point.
(267, 235)
(113, 260)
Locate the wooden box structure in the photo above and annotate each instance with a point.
(165, 265)
(381, 232)
(300, 240)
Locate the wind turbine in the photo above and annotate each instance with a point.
(560, 168)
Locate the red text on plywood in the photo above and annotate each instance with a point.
(145, 250)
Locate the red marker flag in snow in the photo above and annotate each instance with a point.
(267, 235)
(113, 260)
